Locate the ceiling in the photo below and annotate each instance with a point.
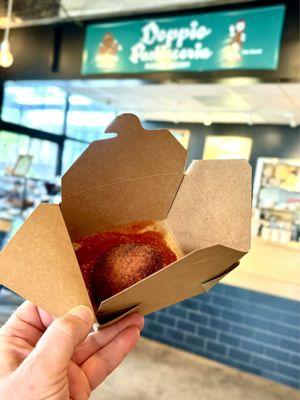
(121, 7)
(241, 100)
(29, 12)
(238, 103)
(233, 101)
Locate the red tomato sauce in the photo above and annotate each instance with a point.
(95, 246)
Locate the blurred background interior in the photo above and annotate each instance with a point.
(68, 67)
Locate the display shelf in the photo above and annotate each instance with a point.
(280, 188)
(276, 210)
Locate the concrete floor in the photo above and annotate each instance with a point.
(157, 372)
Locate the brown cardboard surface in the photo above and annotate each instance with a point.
(207, 285)
(148, 198)
(173, 283)
(135, 153)
(135, 176)
(213, 206)
(40, 265)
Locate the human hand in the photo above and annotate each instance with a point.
(42, 358)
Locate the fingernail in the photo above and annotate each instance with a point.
(83, 312)
(143, 323)
(140, 321)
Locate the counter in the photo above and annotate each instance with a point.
(271, 268)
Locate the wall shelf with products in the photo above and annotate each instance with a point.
(276, 200)
(272, 265)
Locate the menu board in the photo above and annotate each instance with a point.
(239, 40)
(218, 147)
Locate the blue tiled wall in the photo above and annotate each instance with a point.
(248, 330)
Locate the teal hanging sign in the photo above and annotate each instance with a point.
(238, 40)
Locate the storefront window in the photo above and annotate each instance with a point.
(46, 106)
(44, 159)
(11, 145)
(86, 119)
(33, 105)
(72, 150)
(44, 154)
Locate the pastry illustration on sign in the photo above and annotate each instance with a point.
(235, 42)
(109, 47)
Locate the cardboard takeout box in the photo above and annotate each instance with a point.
(136, 175)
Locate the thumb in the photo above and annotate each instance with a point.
(57, 345)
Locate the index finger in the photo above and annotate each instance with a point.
(97, 340)
(104, 361)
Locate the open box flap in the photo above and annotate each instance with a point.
(146, 199)
(172, 284)
(213, 206)
(133, 154)
(40, 265)
(131, 177)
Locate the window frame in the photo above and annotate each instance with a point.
(40, 134)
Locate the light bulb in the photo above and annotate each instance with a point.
(291, 117)
(6, 57)
(207, 122)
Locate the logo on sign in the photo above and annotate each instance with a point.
(234, 50)
(107, 57)
(160, 48)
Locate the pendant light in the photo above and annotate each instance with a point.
(6, 57)
(207, 120)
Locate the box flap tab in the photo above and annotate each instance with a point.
(207, 285)
(39, 263)
(106, 319)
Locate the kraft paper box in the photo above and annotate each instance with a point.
(136, 175)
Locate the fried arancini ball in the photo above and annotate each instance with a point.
(123, 266)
